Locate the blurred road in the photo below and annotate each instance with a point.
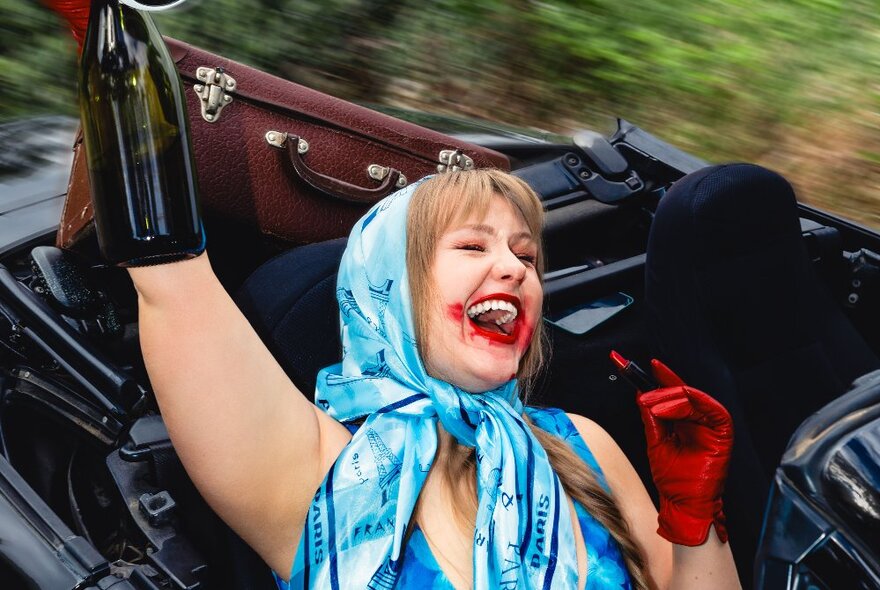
(35, 160)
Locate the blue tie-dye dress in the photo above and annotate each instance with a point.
(605, 566)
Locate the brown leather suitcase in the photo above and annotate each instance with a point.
(291, 162)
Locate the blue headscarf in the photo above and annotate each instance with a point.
(354, 534)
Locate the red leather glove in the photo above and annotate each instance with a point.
(77, 14)
(690, 436)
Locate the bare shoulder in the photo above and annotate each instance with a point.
(608, 454)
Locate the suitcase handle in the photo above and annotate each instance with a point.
(296, 147)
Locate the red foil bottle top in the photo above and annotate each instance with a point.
(77, 14)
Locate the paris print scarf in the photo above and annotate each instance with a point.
(356, 526)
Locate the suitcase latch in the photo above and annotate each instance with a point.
(214, 94)
(379, 172)
(279, 139)
(452, 160)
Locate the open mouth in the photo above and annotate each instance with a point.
(495, 316)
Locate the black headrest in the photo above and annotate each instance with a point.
(728, 210)
(725, 250)
(291, 303)
(734, 302)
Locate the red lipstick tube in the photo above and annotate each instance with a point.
(633, 373)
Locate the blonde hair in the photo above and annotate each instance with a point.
(437, 205)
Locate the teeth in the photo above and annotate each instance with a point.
(505, 318)
(494, 304)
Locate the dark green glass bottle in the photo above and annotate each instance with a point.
(137, 141)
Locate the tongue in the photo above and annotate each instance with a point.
(487, 321)
(491, 316)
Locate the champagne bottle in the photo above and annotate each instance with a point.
(137, 141)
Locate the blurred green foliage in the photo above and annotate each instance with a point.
(36, 62)
(793, 84)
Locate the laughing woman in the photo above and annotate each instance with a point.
(420, 467)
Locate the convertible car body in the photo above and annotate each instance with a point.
(93, 496)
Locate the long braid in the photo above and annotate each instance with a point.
(581, 484)
(459, 465)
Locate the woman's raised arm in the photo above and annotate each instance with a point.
(254, 446)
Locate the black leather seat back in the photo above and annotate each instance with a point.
(735, 307)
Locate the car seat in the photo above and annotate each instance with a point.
(291, 303)
(735, 307)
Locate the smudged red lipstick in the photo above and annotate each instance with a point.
(499, 337)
